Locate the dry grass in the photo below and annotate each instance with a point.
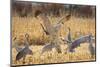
(31, 25)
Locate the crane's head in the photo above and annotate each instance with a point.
(27, 35)
(37, 12)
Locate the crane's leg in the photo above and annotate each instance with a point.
(24, 59)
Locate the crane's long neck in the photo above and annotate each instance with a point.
(69, 32)
(26, 42)
(69, 35)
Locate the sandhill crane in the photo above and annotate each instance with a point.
(49, 47)
(47, 33)
(22, 53)
(78, 41)
(68, 38)
(51, 29)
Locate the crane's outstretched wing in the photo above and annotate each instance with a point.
(59, 22)
(49, 47)
(67, 17)
(44, 29)
(78, 41)
(18, 48)
(23, 53)
(45, 20)
(48, 26)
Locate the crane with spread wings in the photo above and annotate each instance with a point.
(82, 39)
(51, 30)
(24, 51)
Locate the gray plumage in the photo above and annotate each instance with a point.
(49, 47)
(46, 32)
(91, 48)
(68, 37)
(16, 44)
(47, 24)
(18, 49)
(57, 27)
(59, 22)
(49, 28)
(78, 41)
(25, 51)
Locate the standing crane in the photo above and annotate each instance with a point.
(25, 51)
